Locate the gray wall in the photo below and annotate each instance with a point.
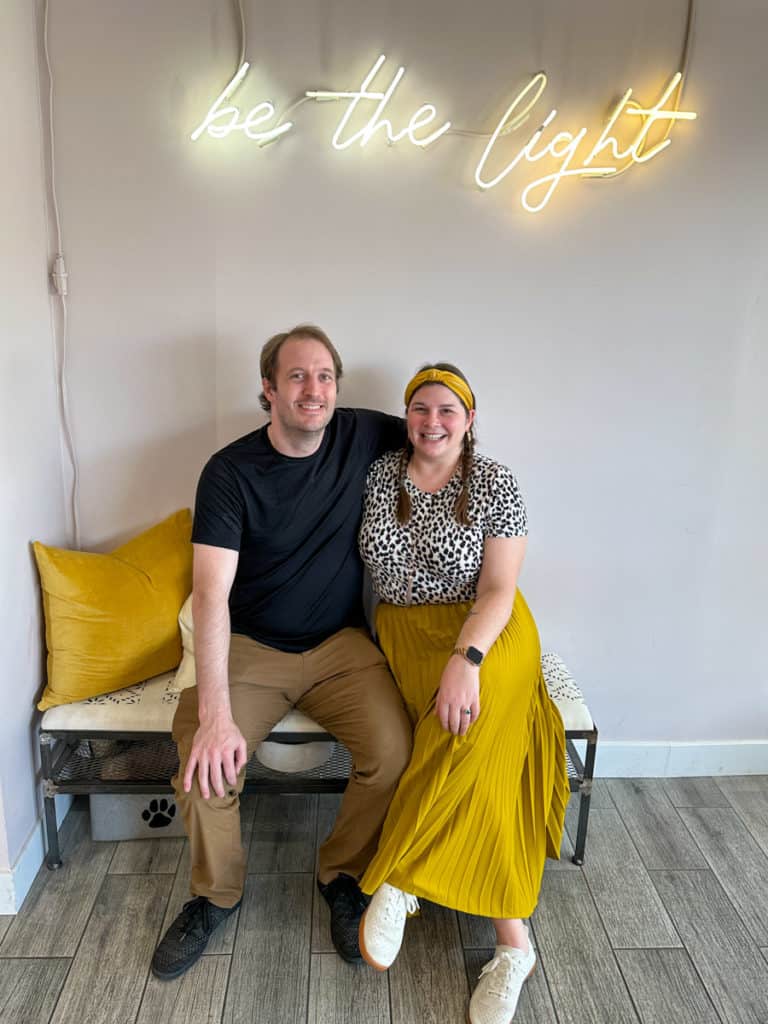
(615, 341)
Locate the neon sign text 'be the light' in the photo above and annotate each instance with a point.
(568, 149)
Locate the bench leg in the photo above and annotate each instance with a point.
(585, 796)
(53, 857)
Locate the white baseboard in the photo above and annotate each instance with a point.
(617, 760)
(15, 883)
(7, 892)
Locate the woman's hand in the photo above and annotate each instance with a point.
(459, 690)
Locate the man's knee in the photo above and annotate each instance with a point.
(387, 752)
(194, 798)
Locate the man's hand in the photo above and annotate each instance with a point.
(459, 690)
(218, 747)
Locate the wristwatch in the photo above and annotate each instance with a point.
(470, 654)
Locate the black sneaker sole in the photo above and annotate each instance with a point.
(349, 959)
(178, 971)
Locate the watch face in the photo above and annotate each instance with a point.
(474, 655)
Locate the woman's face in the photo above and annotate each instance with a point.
(437, 422)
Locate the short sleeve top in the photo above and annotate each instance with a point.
(433, 559)
(294, 524)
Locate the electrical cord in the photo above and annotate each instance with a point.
(521, 118)
(241, 60)
(684, 60)
(242, 34)
(59, 279)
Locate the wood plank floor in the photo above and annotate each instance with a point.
(666, 922)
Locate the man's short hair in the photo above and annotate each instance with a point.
(271, 351)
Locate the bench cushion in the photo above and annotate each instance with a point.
(150, 707)
(145, 707)
(566, 694)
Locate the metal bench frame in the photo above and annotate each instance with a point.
(70, 765)
(581, 774)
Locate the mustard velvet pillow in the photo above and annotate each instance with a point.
(111, 620)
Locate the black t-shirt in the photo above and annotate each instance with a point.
(295, 523)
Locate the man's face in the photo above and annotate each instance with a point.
(303, 397)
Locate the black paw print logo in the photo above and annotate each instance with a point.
(159, 814)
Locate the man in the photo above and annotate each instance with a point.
(276, 604)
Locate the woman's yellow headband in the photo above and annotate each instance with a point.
(458, 386)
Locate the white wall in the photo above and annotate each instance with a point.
(616, 340)
(31, 498)
(141, 256)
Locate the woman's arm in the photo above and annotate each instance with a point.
(496, 587)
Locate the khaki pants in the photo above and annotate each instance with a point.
(345, 686)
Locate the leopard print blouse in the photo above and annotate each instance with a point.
(432, 559)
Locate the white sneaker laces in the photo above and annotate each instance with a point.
(411, 904)
(510, 969)
(393, 906)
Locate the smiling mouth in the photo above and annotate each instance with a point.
(434, 437)
(310, 406)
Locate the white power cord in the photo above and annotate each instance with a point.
(242, 33)
(59, 280)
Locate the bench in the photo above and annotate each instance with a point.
(121, 743)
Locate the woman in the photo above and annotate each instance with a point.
(482, 802)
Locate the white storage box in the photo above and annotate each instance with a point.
(134, 816)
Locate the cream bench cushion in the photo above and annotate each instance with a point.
(150, 707)
(566, 694)
(143, 707)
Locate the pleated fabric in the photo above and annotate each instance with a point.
(474, 816)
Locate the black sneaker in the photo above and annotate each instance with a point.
(347, 905)
(184, 942)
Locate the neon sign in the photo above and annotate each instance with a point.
(420, 119)
(256, 115)
(568, 149)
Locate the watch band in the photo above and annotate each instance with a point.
(470, 654)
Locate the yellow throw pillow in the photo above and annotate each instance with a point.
(111, 620)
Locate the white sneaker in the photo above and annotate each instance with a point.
(383, 923)
(494, 1001)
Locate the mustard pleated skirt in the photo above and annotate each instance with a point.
(474, 817)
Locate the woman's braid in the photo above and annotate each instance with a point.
(403, 497)
(461, 508)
